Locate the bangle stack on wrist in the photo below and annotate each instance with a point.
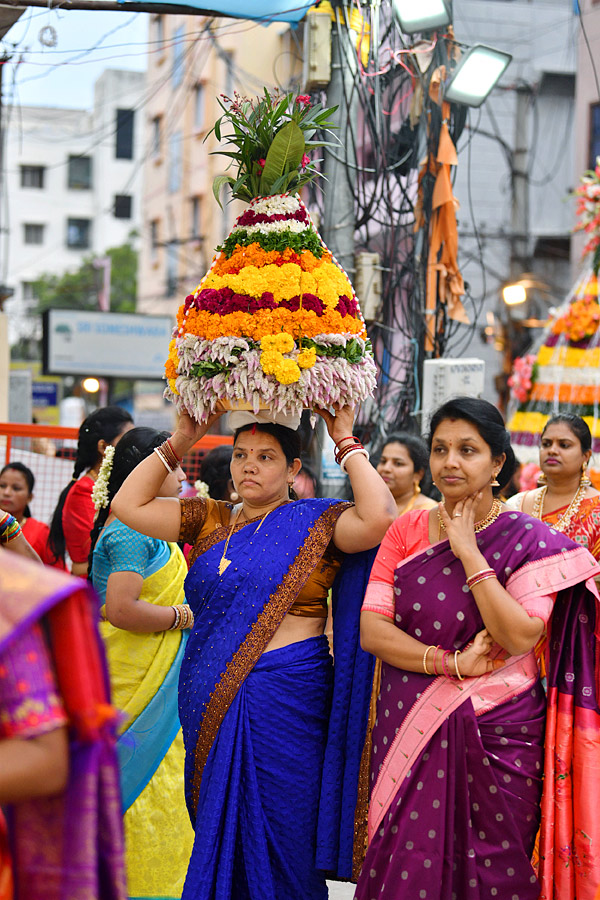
(477, 577)
(167, 456)
(344, 453)
(444, 663)
(184, 618)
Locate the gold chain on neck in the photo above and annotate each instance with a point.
(570, 512)
(495, 510)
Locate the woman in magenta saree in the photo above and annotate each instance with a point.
(65, 843)
(458, 766)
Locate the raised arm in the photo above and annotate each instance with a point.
(136, 503)
(363, 525)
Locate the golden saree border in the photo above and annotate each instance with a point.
(361, 813)
(261, 633)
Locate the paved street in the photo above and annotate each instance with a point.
(340, 891)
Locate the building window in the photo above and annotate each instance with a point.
(80, 173)
(78, 233)
(123, 206)
(199, 106)
(175, 161)
(594, 134)
(32, 176)
(124, 135)
(154, 226)
(159, 32)
(155, 146)
(33, 234)
(171, 268)
(195, 218)
(178, 56)
(28, 291)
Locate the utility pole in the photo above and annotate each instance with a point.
(340, 160)
(519, 250)
(5, 292)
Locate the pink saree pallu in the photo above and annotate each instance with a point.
(457, 767)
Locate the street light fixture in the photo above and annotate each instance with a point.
(514, 294)
(426, 15)
(476, 74)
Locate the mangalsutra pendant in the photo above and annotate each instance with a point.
(223, 564)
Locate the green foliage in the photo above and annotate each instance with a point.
(79, 289)
(272, 136)
(274, 240)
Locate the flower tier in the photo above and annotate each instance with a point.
(563, 375)
(274, 323)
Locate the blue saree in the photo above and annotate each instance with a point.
(257, 726)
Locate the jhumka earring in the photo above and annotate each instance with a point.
(584, 481)
(495, 482)
(542, 480)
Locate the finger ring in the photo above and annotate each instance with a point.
(457, 515)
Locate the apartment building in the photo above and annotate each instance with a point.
(192, 61)
(73, 185)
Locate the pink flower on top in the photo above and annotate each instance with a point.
(262, 163)
(305, 160)
(303, 99)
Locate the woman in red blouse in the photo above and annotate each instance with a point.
(16, 493)
(74, 514)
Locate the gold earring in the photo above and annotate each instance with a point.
(495, 482)
(542, 479)
(584, 481)
(417, 488)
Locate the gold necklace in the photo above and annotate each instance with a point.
(224, 562)
(570, 512)
(495, 510)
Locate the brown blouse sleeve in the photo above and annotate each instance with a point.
(193, 516)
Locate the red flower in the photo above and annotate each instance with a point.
(303, 100)
(262, 163)
(305, 160)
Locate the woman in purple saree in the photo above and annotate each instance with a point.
(457, 747)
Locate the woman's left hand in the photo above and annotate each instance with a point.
(339, 425)
(460, 527)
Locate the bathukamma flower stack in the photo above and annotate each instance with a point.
(563, 374)
(275, 322)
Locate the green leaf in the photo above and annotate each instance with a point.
(285, 153)
(218, 183)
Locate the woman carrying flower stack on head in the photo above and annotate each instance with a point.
(265, 741)
(466, 745)
(145, 623)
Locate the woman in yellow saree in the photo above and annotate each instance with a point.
(140, 580)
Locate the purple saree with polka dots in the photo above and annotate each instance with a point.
(457, 767)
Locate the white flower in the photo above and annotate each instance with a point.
(202, 489)
(100, 489)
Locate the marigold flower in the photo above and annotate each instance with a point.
(287, 372)
(307, 358)
(270, 361)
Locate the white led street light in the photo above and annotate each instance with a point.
(477, 73)
(422, 15)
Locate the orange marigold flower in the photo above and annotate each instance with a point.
(302, 323)
(287, 372)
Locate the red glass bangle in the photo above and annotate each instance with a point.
(177, 457)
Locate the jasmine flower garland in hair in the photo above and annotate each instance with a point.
(100, 489)
(202, 489)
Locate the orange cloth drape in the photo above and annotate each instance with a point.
(444, 280)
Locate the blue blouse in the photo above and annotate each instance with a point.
(121, 549)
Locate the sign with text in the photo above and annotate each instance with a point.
(105, 344)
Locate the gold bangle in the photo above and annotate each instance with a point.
(458, 675)
(426, 670)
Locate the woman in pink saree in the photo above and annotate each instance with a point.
(464, 738)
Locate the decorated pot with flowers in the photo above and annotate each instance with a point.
(275, 322)
(563, 376)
